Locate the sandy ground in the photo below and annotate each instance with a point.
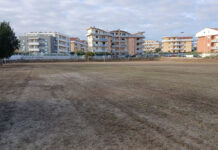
(143, 105)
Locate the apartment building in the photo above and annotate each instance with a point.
(177, 44)
(44, 42)
(116, 42)
(207, 40)
(151, 45)
(78, 45)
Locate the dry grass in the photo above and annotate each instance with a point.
(137, 105)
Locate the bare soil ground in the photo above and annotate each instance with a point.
(141, 105)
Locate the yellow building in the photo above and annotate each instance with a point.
(78, 45)
(151, 45)
(175, 44)
(117, 42)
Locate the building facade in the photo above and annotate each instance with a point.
(151, 45)
(177, 44)
(116, 42)
(78, 45)
(207, 40)
(44, 42)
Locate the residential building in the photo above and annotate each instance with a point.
(151, 45)
(76, 45)
(44, 42)
(207, 40)
(177, 44)
(116, 42)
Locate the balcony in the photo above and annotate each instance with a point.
(34, 38)
(62, 45)
(215, 48)
(140, 41)
(100, 45)
(102, 50)
(33, 43)
(178, 40)
(149, 46)
(94, 33)
(34, 49)
(100, 39)
(177, 44)
(117, 40)
(214, 40)
(63, 40)
(177, 49)
(140, 46)
(118, 46)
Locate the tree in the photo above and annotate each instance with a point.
(157, 50)
(89, 54)
(8, 41)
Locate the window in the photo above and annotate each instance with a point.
(96, 42)
(96, 36)
(103, 43)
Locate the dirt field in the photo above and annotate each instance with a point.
(112, 106)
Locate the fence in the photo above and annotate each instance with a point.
(75, 58)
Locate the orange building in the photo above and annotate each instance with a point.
(207, 40)
(177, 44)
(78, 45)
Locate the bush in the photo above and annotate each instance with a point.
(80, 53)
(72, 53)
(157, 50)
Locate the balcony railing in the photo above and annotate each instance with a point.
(100, 39)
(62, 45)
(177, 44)
(179, 40)
(100, 45)
(140, 41)
(140, 46)
(117, 40)
(94, 33)
(33, 38)
(117, 46)
(34, 49)
(177, 49)
(149, 46)
(215, 48)
(215, 40)
(102, 50)
(33, 43)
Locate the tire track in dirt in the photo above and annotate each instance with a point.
(135, 117)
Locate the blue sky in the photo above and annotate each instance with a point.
(155, 17)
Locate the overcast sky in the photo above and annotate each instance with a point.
(155, 17)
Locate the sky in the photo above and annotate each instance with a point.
(156, 18)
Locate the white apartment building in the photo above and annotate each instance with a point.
(45, 42)
(151, 45)
(116, 42)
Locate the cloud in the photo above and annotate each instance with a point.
(72, 17)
